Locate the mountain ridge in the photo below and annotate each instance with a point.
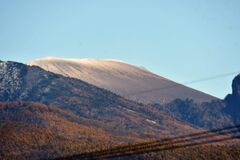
(34, 102)
(122, 78)
(85, 100)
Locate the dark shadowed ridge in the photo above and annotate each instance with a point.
(233, 100)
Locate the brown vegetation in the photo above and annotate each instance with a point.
(32, 131)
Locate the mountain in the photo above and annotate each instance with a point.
(121, 78)
(77, 104)
(219, 113)
(208, 115)
(20, 82)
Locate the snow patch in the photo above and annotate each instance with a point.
(150, 121)
(126, 109)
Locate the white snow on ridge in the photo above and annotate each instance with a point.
(106, 64)
(121, 78)
(150, 121)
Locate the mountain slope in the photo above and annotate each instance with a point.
(122, 78)
(220, 113)
(75, 116)
(116, 115)
(207, 115)
(34, 131)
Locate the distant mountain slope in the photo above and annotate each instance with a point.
(209, 115)
(114, 114)
(122, 78)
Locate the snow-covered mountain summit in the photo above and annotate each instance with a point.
(122, 78)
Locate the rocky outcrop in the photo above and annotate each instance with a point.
(236, 87)
(233, 100)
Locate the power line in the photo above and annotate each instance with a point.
(185, 83)
(160, 145)
(151, 150)
(144, 149)
(166, 140)
(150, 147)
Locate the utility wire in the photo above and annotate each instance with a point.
(157, 145)
(151, 150)
(147, 148)
(185, 83)
(165, 141)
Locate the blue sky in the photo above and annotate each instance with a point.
(181, 40)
